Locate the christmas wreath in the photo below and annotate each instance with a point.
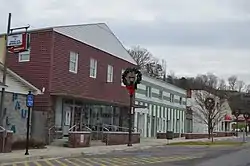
(138, 77)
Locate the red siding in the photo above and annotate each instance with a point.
(36, 71)
(81, 84)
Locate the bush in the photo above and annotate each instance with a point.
(33, 144)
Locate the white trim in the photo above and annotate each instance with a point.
(122, 84)
(93, 65)
(73, 61)
(36, 91)
(24, 53)
(110, 73)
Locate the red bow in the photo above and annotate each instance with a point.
(131, 89)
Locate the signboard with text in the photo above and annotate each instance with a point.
(15, 40)
(18, 42)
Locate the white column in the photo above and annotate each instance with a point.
(172, 119)
(135, 119)
(183, 121)
(150, 120)
(145, 125)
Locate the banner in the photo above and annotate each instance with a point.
(2, 49)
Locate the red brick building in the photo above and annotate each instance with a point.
(79, 67)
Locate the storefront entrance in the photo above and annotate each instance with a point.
(94, 117)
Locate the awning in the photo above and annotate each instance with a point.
(228, 118)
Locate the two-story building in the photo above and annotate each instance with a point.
(160, 107)
(79, 68)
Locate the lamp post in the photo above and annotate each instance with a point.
(131, 77)
(29, 104)
(246, 116)
(237, 114)
(210, 104)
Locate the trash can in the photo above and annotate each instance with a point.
(170, 134)
(6, 141)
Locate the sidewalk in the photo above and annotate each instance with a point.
(57, 152)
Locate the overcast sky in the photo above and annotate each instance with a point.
(194, 36)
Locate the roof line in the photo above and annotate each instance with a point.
(52, 27)
(162, 81)
(22, 80)
(119, 41)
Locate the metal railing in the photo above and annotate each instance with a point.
(49, 132)
(2, 128)
(105, 128)
(73, 127)
(117, 127)
(5, 134)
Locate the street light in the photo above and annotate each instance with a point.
(29, 104)
(237, 114)
(246, 116)
(210, 104)
(131, 77)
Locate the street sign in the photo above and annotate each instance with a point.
(30, 100)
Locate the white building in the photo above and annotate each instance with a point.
(15, 109)
(162, 109)
(200, 122)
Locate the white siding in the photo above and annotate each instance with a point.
(14, 85)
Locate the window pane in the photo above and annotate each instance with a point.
(110, 73)
(73, 56)
(25, 56)
(72, 66)
(93, 67)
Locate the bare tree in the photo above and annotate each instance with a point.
(240, 85)
(248, 88)
(222, 84)
(232, 80)
(203, 116)
(207, 80)
(147, 62)
(141, 55)
(212, 80)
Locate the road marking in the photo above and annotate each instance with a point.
(37, 163)
(108, 161)
(104, 161)
(48, 162)
(88, 164)
(75, 164)
(91, 161)
(61, 163)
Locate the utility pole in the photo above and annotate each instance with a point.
(4, 72)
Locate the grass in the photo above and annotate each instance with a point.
(207, 143)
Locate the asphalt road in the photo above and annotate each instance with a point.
(157, 156)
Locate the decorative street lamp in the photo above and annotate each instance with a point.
(130, 78)
(246, 116)
(209, 104)
(237, 114)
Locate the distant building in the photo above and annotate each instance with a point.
(160, 107)
(200, 121)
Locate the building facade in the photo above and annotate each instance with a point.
(160, 107)
(223, 114)
(80, 68)
(15, 109)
